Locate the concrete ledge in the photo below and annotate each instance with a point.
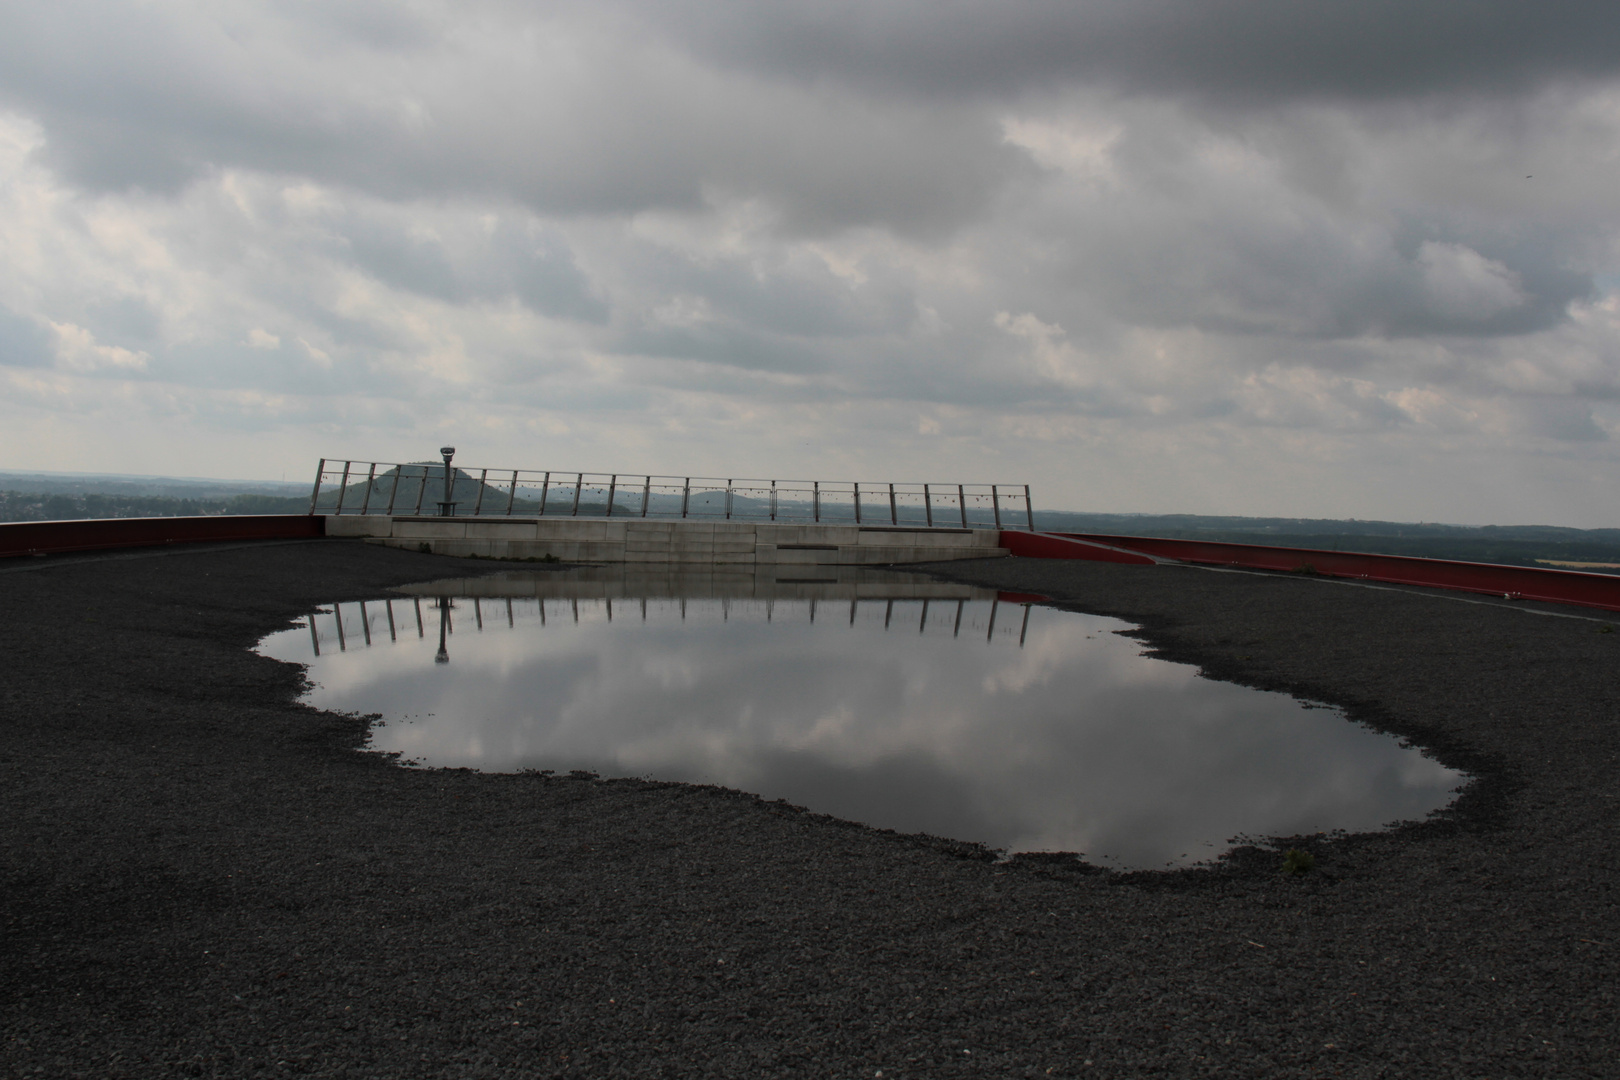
(634, 540)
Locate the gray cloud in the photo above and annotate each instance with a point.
(1235, 50)
(562, 117)
(1133, 249)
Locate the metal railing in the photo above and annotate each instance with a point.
(387, 488)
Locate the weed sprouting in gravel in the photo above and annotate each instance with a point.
(1297, 862)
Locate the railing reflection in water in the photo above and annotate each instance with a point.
(363, 622)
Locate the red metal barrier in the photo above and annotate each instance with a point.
(1514, 582)
(45, 537)
(1058, 546)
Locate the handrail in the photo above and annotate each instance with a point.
(400, 488)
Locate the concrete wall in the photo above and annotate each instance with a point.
(636, 540)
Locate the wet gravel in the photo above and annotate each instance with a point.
(204, 878)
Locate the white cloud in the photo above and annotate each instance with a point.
(1460, 283)
(77, 350)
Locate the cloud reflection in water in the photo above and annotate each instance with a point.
(920, 722)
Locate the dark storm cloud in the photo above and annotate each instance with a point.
(1260, 50)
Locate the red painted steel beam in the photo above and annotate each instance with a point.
(1056, 546)
(1513, 582)
(94, 534)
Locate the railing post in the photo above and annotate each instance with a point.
(857, 502)
(545, 486)
(990, 635)
(815, 501)
(728, 500)
(343, 487)
(393, 491)
(579, 483)
(686, 494)
(995, 504)
(773, 500)
(646, 497)
(928, 510)
(894, 513)
(314, 497)
(613, 489)
(371, 476)
(1029, 510)
(961, 504)
(511, 497)
(483, 483)
(421, 492)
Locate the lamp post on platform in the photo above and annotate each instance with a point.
(447, 506)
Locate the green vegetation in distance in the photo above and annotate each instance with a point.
(34, 506)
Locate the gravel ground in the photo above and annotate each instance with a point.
(201, 878)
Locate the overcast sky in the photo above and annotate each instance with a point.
(1234, 256)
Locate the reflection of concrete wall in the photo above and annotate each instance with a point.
(638, 541)
(633, 580)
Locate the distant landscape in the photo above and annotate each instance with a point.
(71, 496)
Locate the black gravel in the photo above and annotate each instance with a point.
(203, 878)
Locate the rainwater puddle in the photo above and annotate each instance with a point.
(879, 697)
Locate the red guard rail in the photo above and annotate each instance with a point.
(1513, 582)
(93, 534)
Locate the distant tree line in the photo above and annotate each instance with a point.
(37, 506)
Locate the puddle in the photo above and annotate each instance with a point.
(874, 696)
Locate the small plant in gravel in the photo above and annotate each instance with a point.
(1297, 862)
(1605, 629)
